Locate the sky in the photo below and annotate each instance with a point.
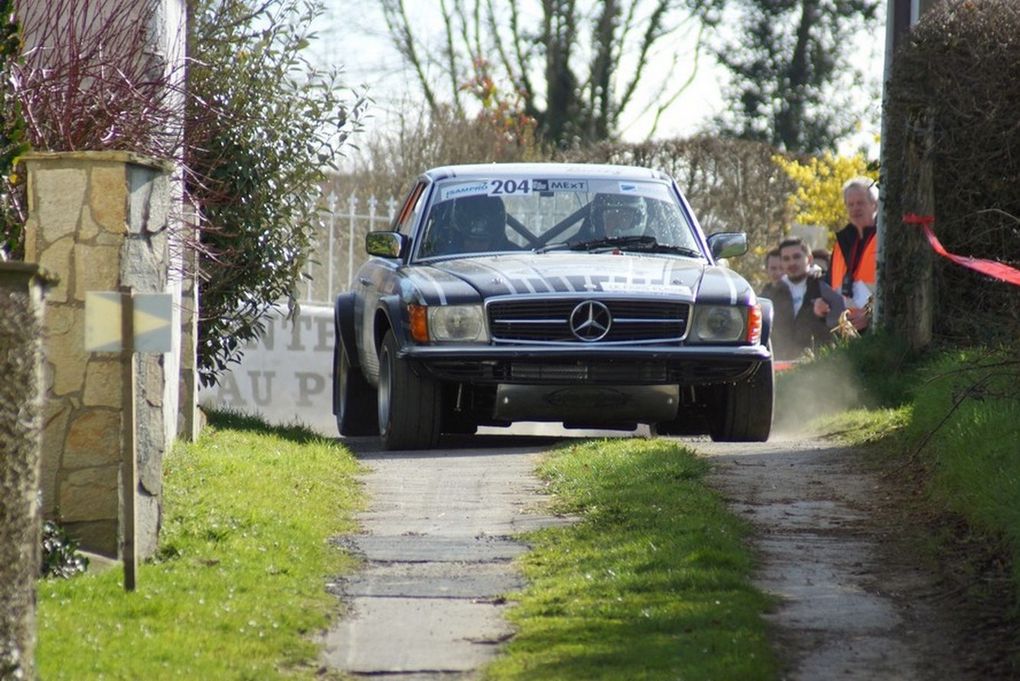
(353, 35)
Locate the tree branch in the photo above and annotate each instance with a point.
(399, 27)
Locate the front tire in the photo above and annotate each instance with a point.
(410, 404)
(356, 400)
(745, 410)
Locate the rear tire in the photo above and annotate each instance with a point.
(745, 410)
(356, 399)
(410, 404)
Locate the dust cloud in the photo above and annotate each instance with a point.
(814, 389)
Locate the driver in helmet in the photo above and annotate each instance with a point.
(618, 215)
(478, 224)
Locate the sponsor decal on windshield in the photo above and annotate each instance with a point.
(652, 190)
(543, 185)
(469, 189)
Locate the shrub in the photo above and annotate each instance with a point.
(83, 82)
(956, 86)
(258, 164)
(818, 198)
(60, 557)
(12, 130)
(253, 131)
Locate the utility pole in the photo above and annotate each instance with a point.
(901, 15)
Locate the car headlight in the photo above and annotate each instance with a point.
(719, 323)
(457, 323)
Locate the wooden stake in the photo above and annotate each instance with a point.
(129, 462)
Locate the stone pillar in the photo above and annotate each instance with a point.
(99, 220)
(21, 309)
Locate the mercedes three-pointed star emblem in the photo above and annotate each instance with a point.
(590, 321)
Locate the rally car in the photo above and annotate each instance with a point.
(581, 294)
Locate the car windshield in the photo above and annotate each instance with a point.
(545, 214)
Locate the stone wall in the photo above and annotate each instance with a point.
(100, 220)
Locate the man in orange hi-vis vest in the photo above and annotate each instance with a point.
(852, 270)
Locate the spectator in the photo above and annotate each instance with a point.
(805, 308)
(773, 265)
(821, 263)
(852, 268)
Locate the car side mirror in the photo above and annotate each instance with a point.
(385, 244)
(727, 244)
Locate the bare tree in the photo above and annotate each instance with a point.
(574, 67)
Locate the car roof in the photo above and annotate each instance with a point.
(544, 170)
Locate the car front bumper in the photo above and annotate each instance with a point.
(586, 365)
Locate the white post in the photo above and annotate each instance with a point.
(352, 207)
(330, 265)
(373, 205)
(310, 267)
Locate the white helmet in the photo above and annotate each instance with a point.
(616, 215)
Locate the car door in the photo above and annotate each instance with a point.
(380, 277)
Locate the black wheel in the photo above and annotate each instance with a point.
(410, 404)
(745, 410)
(356, 412)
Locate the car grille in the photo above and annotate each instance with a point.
(548, 321)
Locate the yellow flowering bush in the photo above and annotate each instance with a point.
(818, 198)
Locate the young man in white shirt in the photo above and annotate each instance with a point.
(808, 309)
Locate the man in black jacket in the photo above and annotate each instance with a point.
(805, 307)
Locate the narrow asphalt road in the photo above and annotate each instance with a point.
(438, 550)
(437, 545)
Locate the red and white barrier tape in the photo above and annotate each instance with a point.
(991, 268)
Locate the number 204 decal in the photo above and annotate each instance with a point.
(501, 187)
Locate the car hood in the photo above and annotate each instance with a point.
(465, 280)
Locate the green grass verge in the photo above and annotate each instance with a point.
(238, 588)
(652, 582)
(966, 430)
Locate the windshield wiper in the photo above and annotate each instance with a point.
(646, 243)
(614, 242)
(676, 250)
(604, 242)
